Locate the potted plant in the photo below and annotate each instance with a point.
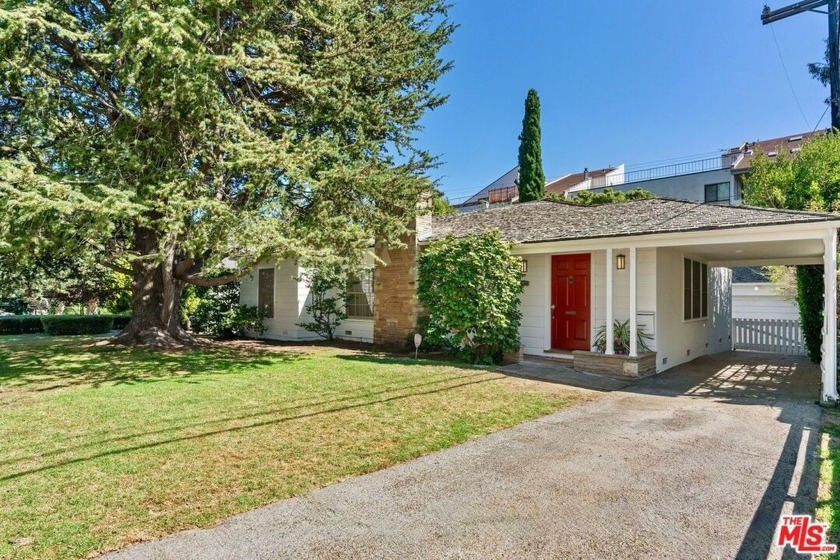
(621, 340)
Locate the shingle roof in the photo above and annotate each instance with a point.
(534, 222)
(749, 274)
(774, 147)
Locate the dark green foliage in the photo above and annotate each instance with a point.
(56, 325)
(121, 321)
(15, 306)
(820, 71)
(441, 205)
(808, 181)
(810, 289)
(67, 280)
(531, 176)
(470, 287)
(166, 138)
(327, 292)
(219, 313)
(434, 339)
(21, 324)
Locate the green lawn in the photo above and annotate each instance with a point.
(828, 504)
(102, 446)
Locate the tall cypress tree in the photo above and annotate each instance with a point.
(531, 176)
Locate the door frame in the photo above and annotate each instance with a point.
(549, 282)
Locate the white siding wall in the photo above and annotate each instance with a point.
(759, 301)
(682, 187)
(680, 341)
(290, 301)
(645, 290)
(536, 297)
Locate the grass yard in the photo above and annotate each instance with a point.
(828, 499)
(101, 447)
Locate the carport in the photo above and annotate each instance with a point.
(656, 266)
(769, 373)
(744, 376)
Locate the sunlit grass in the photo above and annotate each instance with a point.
(828, 499)
(102, 446)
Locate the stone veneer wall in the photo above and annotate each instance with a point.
(396, 306)
(594, 362)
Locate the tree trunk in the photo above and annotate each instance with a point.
(156, 300)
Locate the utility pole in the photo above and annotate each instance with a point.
(769, 16)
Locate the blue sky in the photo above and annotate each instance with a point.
(632, 82)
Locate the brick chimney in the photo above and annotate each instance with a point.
(396, 306)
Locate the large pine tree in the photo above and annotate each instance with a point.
(166, 138)
(531, 176)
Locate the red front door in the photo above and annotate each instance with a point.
(570, 328)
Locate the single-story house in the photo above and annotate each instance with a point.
(663, 265)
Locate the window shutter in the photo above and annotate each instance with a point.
(266, 293)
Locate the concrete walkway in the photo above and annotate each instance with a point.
(660, 470)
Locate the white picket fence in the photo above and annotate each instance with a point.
(779, 336)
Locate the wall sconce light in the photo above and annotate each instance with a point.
(523, 266)
(620, 261)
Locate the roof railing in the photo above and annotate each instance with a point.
(662, 172)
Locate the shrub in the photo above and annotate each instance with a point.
(810, 288)
(434, 338)
(219, 313)
(607, 196)
(55, 325)
(327, 291)
(121, 321)
(470, 287)
(21, 324)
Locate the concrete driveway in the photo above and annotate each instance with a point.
(695, 463)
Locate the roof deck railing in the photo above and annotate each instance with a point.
(662, 172)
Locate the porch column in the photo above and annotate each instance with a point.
(610, 334)
(829, 330)
(634, 350)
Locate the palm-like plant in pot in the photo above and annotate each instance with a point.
(621, 338)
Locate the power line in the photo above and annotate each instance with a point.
(790, 83)
(827, 107)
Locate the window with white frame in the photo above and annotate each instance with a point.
(358, 303)
(695, 290)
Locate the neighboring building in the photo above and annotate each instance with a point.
(743, 155)
(585, 180)
(754, 296)
(503, 190)
(662, 265)
(716, 180)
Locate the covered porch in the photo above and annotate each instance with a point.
(658, 266)
(673, 289)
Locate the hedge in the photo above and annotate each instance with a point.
(120, 321)
(77, 324)
(21, 324)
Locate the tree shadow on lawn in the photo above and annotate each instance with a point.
(388, 392)
(58, 364)
(385, 358)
